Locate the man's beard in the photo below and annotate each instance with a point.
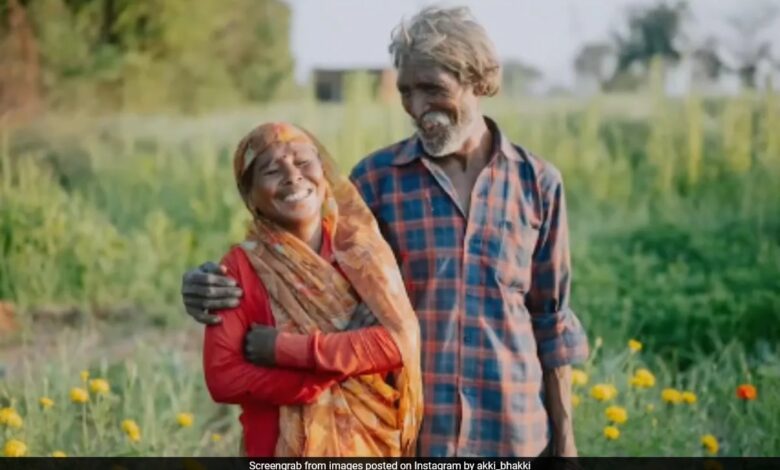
(445, 136)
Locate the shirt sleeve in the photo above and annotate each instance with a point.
(230, 378)
(350, 353)
(560, 337)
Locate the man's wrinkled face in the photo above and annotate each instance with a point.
(442, 109)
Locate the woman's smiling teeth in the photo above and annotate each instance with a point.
(298, 195)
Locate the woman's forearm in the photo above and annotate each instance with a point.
(351, 353)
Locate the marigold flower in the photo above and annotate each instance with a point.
(747, 392)
(216, 437)
(616, 414)
(603, 392)
(132, 430)
(15, 448)
(642, 378)
(14, 421)
(611, 433)
(185, 419)
(46, 402)
(671, 396)
(634, 345)
(78, 395)
(579, 377)
(689, 397)
(9, 417)
(58, 453)
(5, 413)
(84, 374)
(575, 400)
(99, 386)
(709, 442)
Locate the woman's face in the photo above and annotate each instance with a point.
(288, 184)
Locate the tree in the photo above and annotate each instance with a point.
(652, 32)
(595, 61)
(750, 47)
(708, 61)
(152, 54)
(517, 77)
(19, 64)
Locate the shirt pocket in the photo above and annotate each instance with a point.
(517, 243)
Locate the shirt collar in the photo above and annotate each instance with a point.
(412, 149)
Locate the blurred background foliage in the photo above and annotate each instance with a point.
(154, 54)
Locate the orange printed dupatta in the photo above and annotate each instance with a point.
(362, 416)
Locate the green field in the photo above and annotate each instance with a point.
(675, 216)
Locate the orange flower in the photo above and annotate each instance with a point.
(746, 392)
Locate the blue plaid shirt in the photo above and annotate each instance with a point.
(491, 291)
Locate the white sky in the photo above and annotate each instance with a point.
(543, 33)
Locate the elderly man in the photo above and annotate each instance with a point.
(479, 228)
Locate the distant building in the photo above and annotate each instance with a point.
(330, 83)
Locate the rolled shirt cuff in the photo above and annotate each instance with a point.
(560, 338)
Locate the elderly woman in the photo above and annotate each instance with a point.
(307, 385)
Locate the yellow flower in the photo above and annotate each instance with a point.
(99, 386)
(616, 414)
(689, 397)
(671, 396)
(611, 433)
(10, 418)
(185, 419)
(579, 377)
(5, 413)
(15, 448)
(14, 421)
(642, 378)
(649, 407)
(78, 395)
(634, 345)
(709, 442)
(46, 402)
(575, 400)
(58, 453)
(84, 374)
(216, 437)
(132, 430)
(603, 392)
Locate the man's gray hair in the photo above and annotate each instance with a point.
(451, 38)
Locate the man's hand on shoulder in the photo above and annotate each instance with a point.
(207, 288)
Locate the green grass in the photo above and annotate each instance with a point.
(157, 382)
(673, 206)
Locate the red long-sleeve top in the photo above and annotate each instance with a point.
(306, 365)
